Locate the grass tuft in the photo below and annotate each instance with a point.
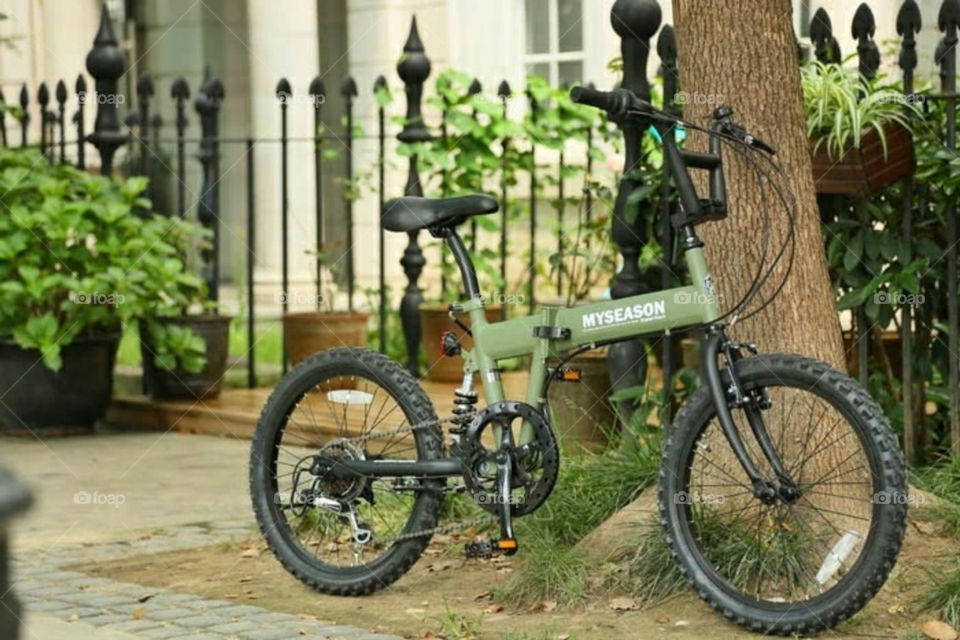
(943, 596)
(648, 571)
(589, 490)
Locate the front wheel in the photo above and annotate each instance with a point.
(789, 566)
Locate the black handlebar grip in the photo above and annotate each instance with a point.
(605, 100)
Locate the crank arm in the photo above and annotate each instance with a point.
(507, 542)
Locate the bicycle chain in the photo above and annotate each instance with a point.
(440, 529)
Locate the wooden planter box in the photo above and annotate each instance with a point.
(865, 169)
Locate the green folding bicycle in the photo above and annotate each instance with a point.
(781, 491)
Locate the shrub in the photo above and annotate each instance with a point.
(75, 260)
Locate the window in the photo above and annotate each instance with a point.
(554, 34)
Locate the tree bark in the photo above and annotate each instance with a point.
(742, 53)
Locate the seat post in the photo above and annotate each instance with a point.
(462, 257)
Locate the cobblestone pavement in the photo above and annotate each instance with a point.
(109, 497)
(44, 585)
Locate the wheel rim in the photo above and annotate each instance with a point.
(323, 420)
(782, 553)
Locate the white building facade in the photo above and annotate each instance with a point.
(251, 44)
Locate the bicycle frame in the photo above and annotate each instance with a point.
(554, 331)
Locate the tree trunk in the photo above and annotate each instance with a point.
(742, 53)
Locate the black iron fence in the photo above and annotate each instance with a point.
(636, 23)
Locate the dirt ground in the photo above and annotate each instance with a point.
(444, 592)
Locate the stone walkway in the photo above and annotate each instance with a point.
(148, 510)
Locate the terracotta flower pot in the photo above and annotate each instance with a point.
(580, 412)
(434, 322)
(161, 383)
(314, 331)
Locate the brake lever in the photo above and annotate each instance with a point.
(748, 139)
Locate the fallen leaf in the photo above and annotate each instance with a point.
(250, 553)
(681, 623)
(494, 608)
(564, 636)
(429, 635)
(415, 612)
(623, 604)
(483, 596)
(252, 596)
(144, 598)
(246, 579)
(139, 613)
(549, 605)
(937, 630)
(663, 619)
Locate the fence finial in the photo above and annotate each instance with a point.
(821, 32)
(949, 15)
(863, 29)
(348, 89)
(105, 63)
(635, 21)
(284, 92)
(317, 89)
(43, 99)
(908, 25)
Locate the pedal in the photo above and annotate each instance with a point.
(481, 549)
(490, 548)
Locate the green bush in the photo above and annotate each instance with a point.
(75, 260)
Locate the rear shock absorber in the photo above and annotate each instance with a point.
(464, 406)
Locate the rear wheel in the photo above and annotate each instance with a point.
(794, 565)
(344, 535)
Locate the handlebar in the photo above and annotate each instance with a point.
(623, 103)
(616, 103)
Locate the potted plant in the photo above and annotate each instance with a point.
(309, 332)
(859, 131)
(76, 266)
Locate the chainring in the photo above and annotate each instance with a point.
(536, 463)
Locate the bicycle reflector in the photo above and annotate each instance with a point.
(450, 344)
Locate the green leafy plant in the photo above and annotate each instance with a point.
(75, 261)
(842, 106)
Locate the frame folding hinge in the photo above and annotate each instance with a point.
(551, 333)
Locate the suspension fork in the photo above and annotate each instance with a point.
(734, 396)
